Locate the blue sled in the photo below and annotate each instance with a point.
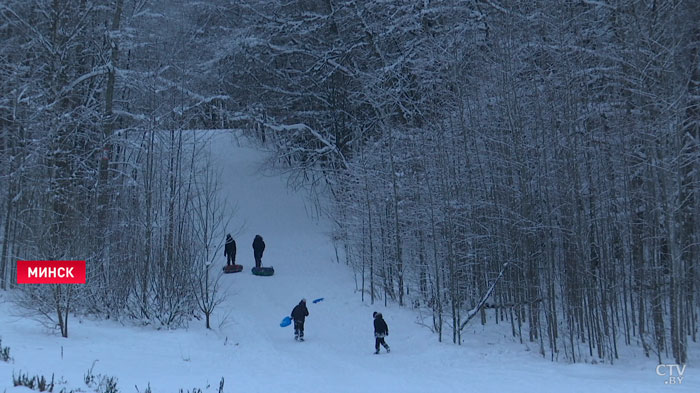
(286, 322)
(318, 300)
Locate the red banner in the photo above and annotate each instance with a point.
(50, 272)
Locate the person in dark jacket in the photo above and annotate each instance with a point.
(258, 248)
(299, 314)
(230, 250)
(381, 330)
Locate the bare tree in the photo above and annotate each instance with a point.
(210, 220)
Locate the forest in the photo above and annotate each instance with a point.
(529, 163)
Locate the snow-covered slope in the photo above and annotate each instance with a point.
(248, 348)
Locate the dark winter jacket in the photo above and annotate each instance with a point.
(300, 312)
(230, 247)
(380, 327)
(258, 246)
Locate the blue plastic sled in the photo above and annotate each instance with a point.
(318, 300)
(286, 322)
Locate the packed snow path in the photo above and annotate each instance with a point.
(249, 349)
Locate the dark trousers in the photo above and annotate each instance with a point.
(258, 261)
(230, 260)
(298, 330)
(380, 340)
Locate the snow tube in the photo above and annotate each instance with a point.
(233, 268)
(286, 322)
(263, 271)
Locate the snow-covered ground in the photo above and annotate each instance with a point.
(249, 349)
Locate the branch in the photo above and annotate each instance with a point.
(329, 146)
(472, 313)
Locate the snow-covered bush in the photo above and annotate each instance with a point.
(4, 353)
(37, 382)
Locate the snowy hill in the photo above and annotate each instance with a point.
(249, 349)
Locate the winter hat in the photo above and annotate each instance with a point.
(302, 301)
(374, 314)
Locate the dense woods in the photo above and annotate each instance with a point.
(95, 163)
(543, 153)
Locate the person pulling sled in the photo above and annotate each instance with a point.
(381, 330)
(299, 314)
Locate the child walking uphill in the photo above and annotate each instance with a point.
(381, 330)
(299, 314)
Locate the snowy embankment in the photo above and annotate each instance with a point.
(248, 348)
